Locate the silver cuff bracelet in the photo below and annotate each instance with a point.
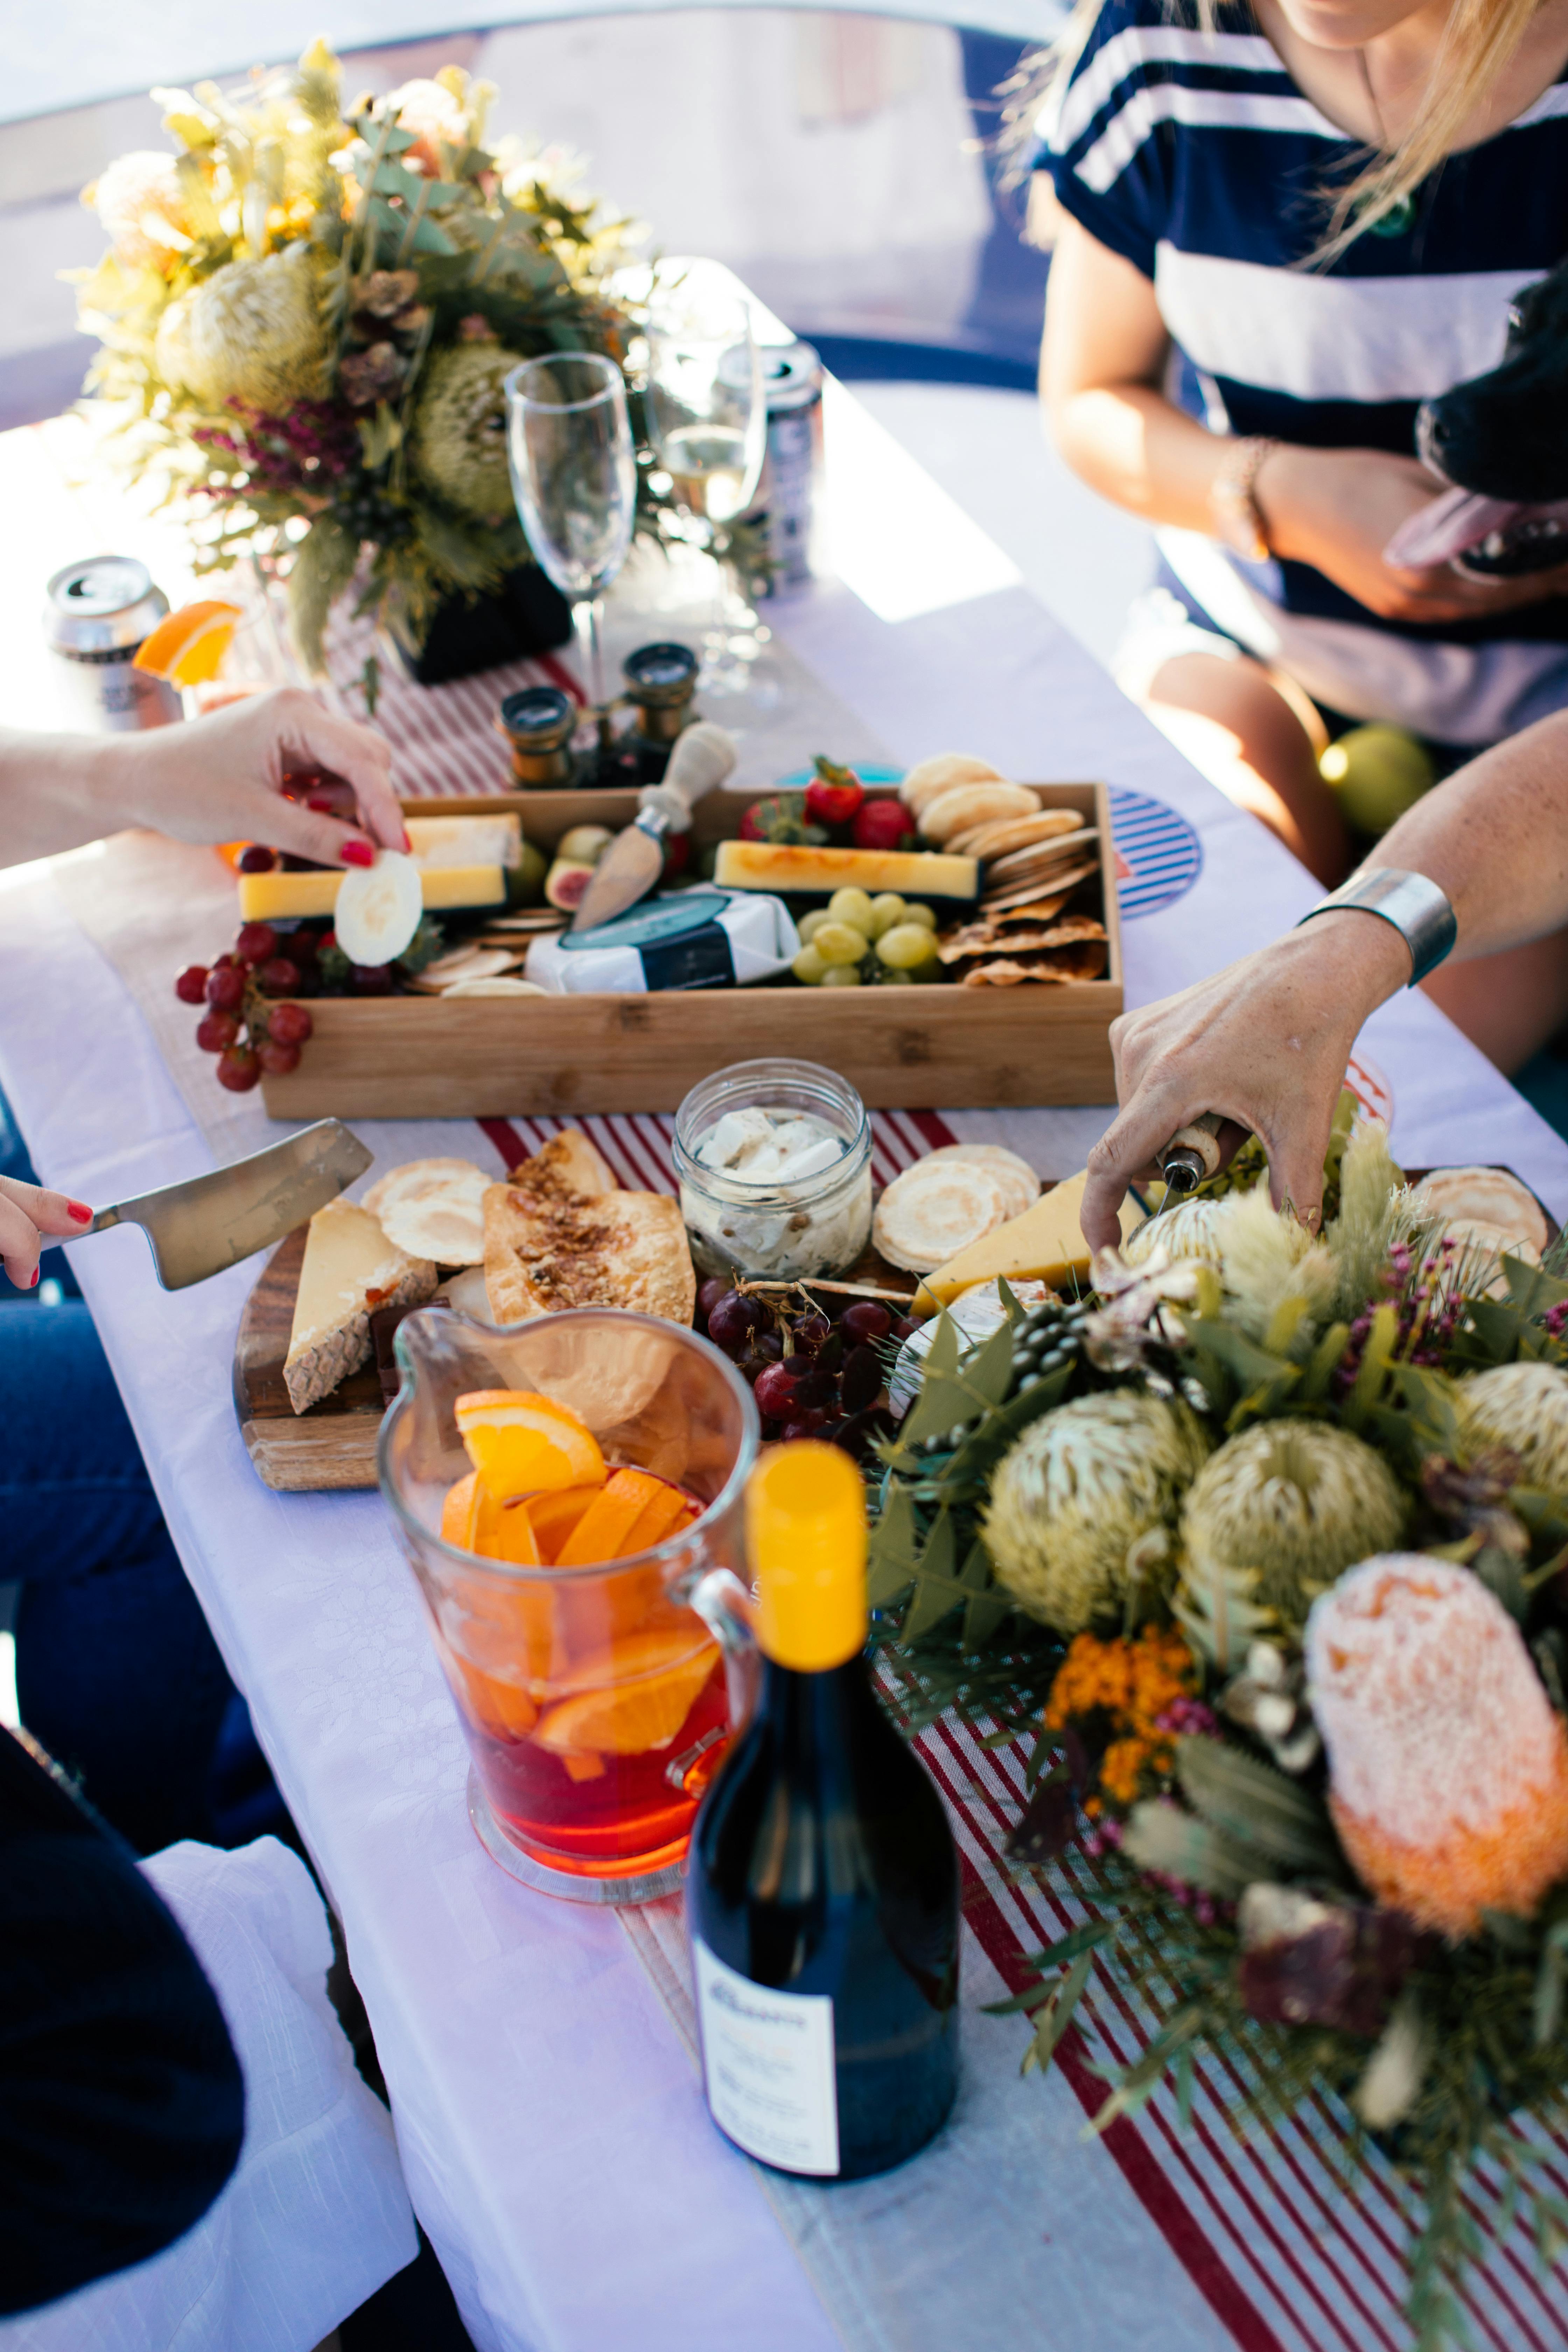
(1418, 911)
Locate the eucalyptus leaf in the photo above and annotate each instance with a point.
(1160, 1836)
(1249, 1801)
(1532, 1291)
(1058, 2014)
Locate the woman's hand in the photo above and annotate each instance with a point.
(1338, 510)
(1264, 1043)
(220, 778)
(27, 1211)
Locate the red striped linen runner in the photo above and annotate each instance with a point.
(1291, 2252)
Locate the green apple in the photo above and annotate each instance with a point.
(1377, 773)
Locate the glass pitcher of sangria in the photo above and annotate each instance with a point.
(563, 1487)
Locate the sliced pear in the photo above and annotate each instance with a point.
(378, 907)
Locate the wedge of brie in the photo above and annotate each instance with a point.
(350, 1269)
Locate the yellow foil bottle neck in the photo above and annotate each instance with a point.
(805, 1538)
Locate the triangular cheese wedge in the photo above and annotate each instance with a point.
(350, 1269)
(1044, 1245)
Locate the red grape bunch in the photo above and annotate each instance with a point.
(816, 1368)
(243, 1023)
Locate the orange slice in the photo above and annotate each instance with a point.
(473, 1519)
(187, 648)
(521, 1443)
(458, 1511)
(665, 1515)
(601, 1533)
(553, 1516)
(497, 1707)
(646, 1690)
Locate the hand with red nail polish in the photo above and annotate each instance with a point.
(29, 1213)
(218, 778)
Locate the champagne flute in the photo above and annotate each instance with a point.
(573, 476)
(706, 423)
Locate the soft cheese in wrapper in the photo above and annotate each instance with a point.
(699, 938)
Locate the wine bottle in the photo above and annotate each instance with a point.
(822, 1891)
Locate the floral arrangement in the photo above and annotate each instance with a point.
(1262, 1548)
(308, 311)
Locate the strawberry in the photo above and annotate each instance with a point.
(833, 795)
(883, 824)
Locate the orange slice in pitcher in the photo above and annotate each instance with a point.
(553, 1516)
(187, 648)
(521, 1443)
(473, 1519)
(458, 1512)
(665, 1514)
(601, 1533)
(658, 1678)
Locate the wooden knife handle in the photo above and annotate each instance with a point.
(1192, 1156)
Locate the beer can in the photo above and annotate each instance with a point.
(98, 616)
(791, 375)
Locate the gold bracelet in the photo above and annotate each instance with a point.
(1234, 498)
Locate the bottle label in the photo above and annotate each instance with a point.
(767, 2057)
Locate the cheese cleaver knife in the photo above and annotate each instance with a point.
(703, 756)
(208, 1222)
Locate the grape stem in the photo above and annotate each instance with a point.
(847, 1289)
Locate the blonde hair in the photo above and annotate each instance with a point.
(1477, 44)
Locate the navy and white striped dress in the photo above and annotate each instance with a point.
(1198, 159)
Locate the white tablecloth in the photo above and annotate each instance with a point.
(552, 2130)
(315, 2217)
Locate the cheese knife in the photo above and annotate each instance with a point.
(703, 756)
(1190, 1158)
(208, 1222)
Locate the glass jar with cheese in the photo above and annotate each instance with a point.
(774, 1161)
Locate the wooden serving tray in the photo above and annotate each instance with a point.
(938, 1047)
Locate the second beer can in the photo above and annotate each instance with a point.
(786, 499)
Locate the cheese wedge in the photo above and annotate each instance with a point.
(281, 897)
(1044, 1245)
(350, 1269)
(438, 842)
(788, 866)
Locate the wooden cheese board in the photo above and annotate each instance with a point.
(334, 1443)
(418, 1057)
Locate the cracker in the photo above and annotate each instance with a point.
(546, 1251)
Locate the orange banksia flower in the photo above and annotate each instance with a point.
(1447, 1766)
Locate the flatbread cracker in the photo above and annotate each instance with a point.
(1041, 855)
(994, 837)
(1026, 893)
(1063, 965)
(547, 1250)
(568, 1163)
(985, 939)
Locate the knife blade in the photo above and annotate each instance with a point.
(703, 756)
(197, 1228)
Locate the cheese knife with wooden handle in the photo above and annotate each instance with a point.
(703, 756)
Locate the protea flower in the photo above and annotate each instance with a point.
(1082, 1486)
(459, 428)
(1524, 1409)
(140, 201)
(1190, 1230)
(1298, 1501)
(1448, 1767)
(251, 332)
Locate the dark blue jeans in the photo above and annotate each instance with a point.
(117, 1675)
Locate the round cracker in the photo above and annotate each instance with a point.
(446, 1227)
(421, 1180)
(967, 805)
(940, 772)
(1493, 1197)
(994, 838)
(930, 1212)
(1016, 1178)
(493, 988)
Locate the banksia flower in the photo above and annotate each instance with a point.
(459, 428)
(1524, 1409)
(251, 332)
(1448, 1767)
(1297, 1501)
(1082, 1486)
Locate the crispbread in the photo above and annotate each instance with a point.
(569, 1162)
(1040, 857)
(932, 1211)
(994, 838)
(548, 1248)
(1057, 968)
(1489, 1197)
(940, 772)
(963, 806)
(1024, 894)
(987, 937)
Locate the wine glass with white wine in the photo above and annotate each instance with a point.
(573, 476)
(707, 425)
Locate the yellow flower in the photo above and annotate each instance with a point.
(252, 332)
(142, 207)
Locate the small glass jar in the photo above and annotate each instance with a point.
(780, 1231)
